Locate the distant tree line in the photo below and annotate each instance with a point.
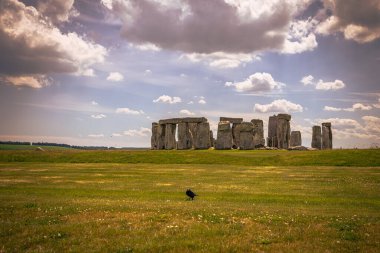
(55, 145)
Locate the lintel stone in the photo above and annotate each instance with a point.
(183, 120)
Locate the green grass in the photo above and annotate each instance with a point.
(63, 202)
(363, 158)
(29, 147)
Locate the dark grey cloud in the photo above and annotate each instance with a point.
(29, 45)
(198, 26)
(357, 20)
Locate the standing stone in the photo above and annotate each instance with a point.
(316, 137)
(193, 132)
(283, 130)
(235, 135)
(170, 142)
(202, 137)
(154, 138)
(295, 139)
(258, 133)
(272, 132)
(224, 136)
(211, 139)
(326, 136)
(184, 136)
(161, 136)
(246, 135)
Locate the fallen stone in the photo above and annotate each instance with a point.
(300, 148)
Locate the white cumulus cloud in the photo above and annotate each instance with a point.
(115, 77)
(221, 60)
(322, 85)
(96, 135)
(354, 108)
(258, 82)
(307, 80)
(165, 99)
(335, 85)
(202, 101)
(98, 116)
(126, 110)
(300, 37)
(186, 112)
(280, 105)
(143, 131)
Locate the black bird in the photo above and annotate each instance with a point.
(191, 194)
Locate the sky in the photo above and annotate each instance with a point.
(99, 72)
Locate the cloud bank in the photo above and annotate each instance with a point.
(32, 46)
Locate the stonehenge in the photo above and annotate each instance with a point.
(224, 136)
(283, 131)
(258, 133)
(295, 139)
(279, 131)
(234, 133)
(316, 139)
(246, 135)
(322, 136)
(272, 131)
(326, 135)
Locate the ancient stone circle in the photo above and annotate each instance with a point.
(234, 133)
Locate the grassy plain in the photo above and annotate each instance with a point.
(134, 201)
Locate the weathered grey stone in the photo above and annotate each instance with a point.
(283, 130)
(154, 138)
(211, 139)
(160, 136)
(295, 139)
(183, 120)
(224, 136)
(300, 148)
(258, 133)
(272, 132)
(246, 136)
(170, 142)
(326, 136)
(231, 120)
(185, 140)
(193, 132)
(316, 139)
(202, 137)
(235, 135)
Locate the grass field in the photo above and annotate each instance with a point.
(134, 201)
(29, 147)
